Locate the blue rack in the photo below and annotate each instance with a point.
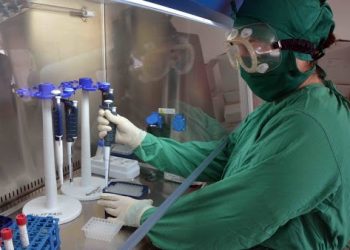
(5, 222)
(43, 234)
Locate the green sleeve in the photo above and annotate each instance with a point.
(182, 158)
(288, 171)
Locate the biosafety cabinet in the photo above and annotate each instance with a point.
(155, 59)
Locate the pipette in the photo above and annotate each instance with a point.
(58, 128)
(71, 118)
(108, 139)
(109, 95)
(106, 94)
(105, 87)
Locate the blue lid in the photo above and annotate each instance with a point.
(67, 84)
(179, 123)
(67, 92)
(23, 92)
(70, 84)
(87, 84)
(155, 119)
(44, 91)
(103, 86)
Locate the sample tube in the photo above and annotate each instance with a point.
(21, 220)
(6, 235)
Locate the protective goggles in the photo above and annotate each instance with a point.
(256, 48)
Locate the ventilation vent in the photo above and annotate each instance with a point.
(28, 190)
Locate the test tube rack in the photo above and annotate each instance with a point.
(43, 232)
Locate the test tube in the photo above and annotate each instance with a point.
(6, 235)
(21, 220)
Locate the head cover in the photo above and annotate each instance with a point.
(301, 28)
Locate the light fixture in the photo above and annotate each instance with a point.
(214, 18)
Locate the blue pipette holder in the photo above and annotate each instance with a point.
(45, 91)
(104, 86)
(83, 187)
(87, 84)
(67, 92)
(40, 91)
(24, 93)
(70, 84)
(68, 208)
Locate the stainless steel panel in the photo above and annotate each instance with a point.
(40, 45)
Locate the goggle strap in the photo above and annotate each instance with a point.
(299, 45)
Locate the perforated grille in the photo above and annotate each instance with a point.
(28, 190)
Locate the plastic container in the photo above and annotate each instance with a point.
(133, 190)
(119, 168)
(121, 150)
(101, 229)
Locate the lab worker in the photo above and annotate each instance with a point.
(283, 180)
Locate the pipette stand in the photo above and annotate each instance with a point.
(61, 207)
(86, 187)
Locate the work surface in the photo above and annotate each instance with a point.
(72, 237)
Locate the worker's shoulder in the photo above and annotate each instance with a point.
(320, 103)
(321, 111)
(315, 109)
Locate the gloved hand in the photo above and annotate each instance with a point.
(127, 133)
(125, 208)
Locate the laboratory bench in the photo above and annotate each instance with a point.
(73, 238)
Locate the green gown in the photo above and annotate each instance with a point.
(283, 180)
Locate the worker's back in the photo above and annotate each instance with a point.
(327, 225)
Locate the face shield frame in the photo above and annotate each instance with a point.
(251, 46)
(243, 42)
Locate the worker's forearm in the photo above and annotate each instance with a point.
(181, 158)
